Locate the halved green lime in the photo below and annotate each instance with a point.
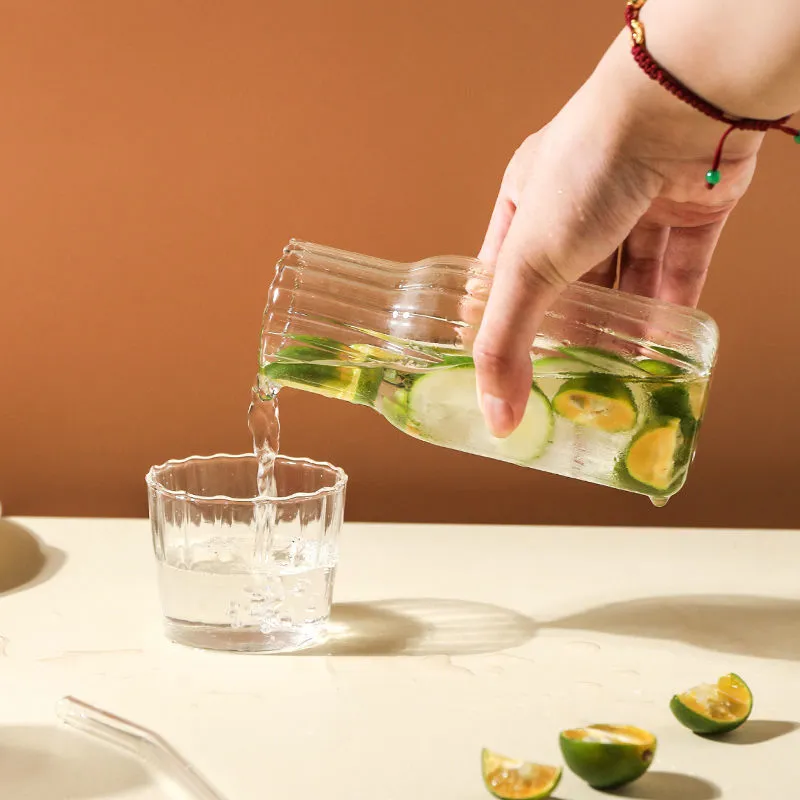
(714, 708)
(309, 368)
(653, 456)
(510, 779)
(606, 756)
(597, 401)
(698, 397)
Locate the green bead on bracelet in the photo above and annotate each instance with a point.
(713, 176)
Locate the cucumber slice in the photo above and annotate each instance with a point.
(555, 367)
(443, 407)
(457, 361)
(676, 355)
(597, 401)
(604, 360)
(660, 368)
(325, 348)
(303, 353)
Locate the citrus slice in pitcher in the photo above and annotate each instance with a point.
(510, 779)
(654, 455)
(597, 401)
(310, 368)
(443, 408)
(606, 756)
(714, 708)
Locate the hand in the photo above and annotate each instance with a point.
(623, 163)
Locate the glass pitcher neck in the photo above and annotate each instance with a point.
(328, 297)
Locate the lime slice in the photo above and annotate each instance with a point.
(652, 457)
(606, 756)
(308, 368)
(510, 779)
(698, 397)
(710, 709)
(597, 401)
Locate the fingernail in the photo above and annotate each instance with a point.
(498, 415)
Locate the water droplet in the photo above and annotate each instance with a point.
(659, 502)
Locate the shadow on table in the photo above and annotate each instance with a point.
(758, 731)
(423, 626)
(756, 626)
(40, 762)
(657, 785)
(25, 561)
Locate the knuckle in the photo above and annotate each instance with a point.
(543, 273)
(491, 360)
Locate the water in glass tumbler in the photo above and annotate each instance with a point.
(222, 584)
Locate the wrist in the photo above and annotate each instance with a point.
(647, 114)
(741, 55)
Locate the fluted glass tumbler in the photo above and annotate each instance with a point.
(242, 571)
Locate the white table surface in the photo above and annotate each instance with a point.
(447, 638)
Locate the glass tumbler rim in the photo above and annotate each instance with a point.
(153, 482)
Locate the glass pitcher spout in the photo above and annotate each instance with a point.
(619, 387)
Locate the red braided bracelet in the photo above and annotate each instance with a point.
(655, 71)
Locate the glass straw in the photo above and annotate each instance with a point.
(140, 741)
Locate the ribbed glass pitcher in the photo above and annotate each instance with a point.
(620, 382)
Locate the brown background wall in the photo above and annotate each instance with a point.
(154, 159)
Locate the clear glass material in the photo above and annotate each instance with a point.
(138, 740)
(620, 382)
(242, 571)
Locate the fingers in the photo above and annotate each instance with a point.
(642, 259)
(499, 223)
(686, 261)
(520, 295)
(553, 221)
(604, 273)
